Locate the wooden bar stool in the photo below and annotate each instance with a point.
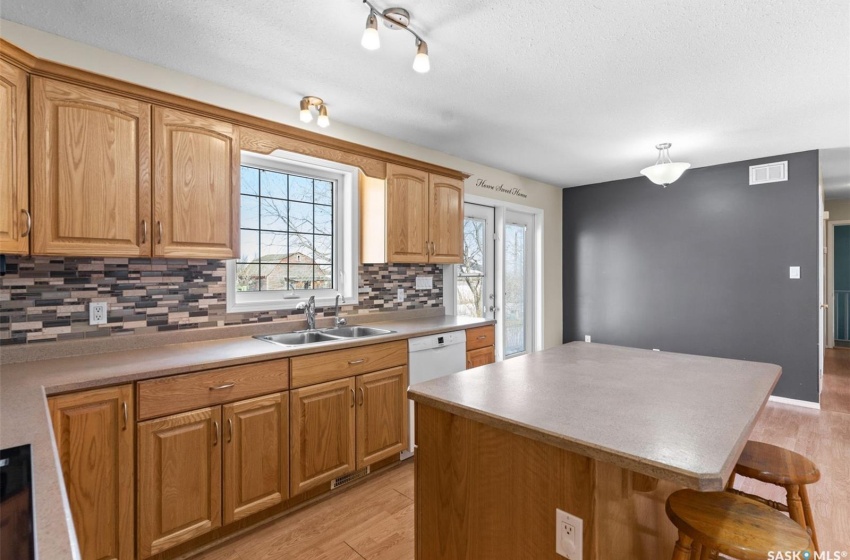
(722, 522)
(785, 468)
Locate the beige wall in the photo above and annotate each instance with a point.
(538, 195)
(838, 209)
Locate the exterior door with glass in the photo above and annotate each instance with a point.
(475, 278)
(517, 303)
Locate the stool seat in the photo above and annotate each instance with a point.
(734, 525)
(775, 465)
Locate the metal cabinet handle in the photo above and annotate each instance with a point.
(362, 396)
(159, 232)
(215, 432)
(426, 249)
(482, 337)
(26, 213)
(355, 362)
(229, 430)
(433, 250)
(352, 398)
(144, 231)
(220, 387)
(124, 406)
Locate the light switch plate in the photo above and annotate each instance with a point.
(794, 272)
(424, 283)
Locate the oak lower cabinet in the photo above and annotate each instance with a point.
(94, 437)
(201, 469)
(480, 357)
(480, 346)
(15, 217)
(346, 425)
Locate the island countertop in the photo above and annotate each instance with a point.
(674, 417)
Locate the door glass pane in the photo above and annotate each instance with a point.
(515, 288)
(470, 274)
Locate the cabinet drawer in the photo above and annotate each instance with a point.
(169, 395)
(479, 337)
(327, 366)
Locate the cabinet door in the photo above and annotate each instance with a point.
(407, 215)
(480, 357)
(196, 186)
(94, 436)
(15, 221)
(256, 455)
(382, 415)
(446, 221)
(90, 172)
(179, 478)
(322, 441)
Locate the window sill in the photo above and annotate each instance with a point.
(286, 304)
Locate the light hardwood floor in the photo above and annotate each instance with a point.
(374, 520)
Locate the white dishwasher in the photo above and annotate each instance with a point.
(431, 357)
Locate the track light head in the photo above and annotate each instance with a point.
(305, 114)
(421, 62)
(323, 119)
(371, 40)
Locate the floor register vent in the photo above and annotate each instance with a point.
(345, 479)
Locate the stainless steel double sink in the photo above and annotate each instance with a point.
(328, 335)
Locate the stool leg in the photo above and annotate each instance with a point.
(807, 512)
(795, 504)
(682, 551)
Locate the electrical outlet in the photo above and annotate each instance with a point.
(424, 282)
(400, 295)
(568, 535)
(97, 312)
(587, 338)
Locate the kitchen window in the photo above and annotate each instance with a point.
(297, 233)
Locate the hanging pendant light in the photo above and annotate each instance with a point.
(665, 170)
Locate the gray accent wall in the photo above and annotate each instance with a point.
(701, 267)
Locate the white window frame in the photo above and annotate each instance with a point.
(346, 235)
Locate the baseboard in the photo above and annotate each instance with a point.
(795, 402)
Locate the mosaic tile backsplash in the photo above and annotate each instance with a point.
(46, 298)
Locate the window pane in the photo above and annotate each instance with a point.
(515, 289)
(323, 278)
(250, 211)
(273, 214)
(324, 192)
(324, 219)
(274, 276)
(250, 241)
(301, 276)
(274, 247)
(470, 283)
(272, 184)
(250, 180)
(300, 188)
(247, 277)
(323, 249)
(300, 217)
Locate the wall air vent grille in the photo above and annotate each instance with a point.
(345, 479)
(769, 173)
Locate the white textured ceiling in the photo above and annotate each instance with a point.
(569, 93)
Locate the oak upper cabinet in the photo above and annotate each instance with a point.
(15, 218)
(196, 186)
(412, 217)
(382, 415)
(446, 220)
(323, 430)
(256, 455)
(94, 437)
(407, 215)
(179, 478)
(91, 182)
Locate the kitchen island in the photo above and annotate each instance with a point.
(602, 432)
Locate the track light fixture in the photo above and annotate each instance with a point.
(306, 114)
(394, 18)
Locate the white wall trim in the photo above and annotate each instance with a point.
(795, 402)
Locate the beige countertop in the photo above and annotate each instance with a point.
(24, 418)
(671, 416)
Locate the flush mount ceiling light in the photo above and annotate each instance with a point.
(665, 170)
(307, 116)
(394, 18)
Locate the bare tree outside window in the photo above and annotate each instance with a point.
(470, 277)
(287, 231)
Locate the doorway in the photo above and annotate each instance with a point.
(839, 291)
